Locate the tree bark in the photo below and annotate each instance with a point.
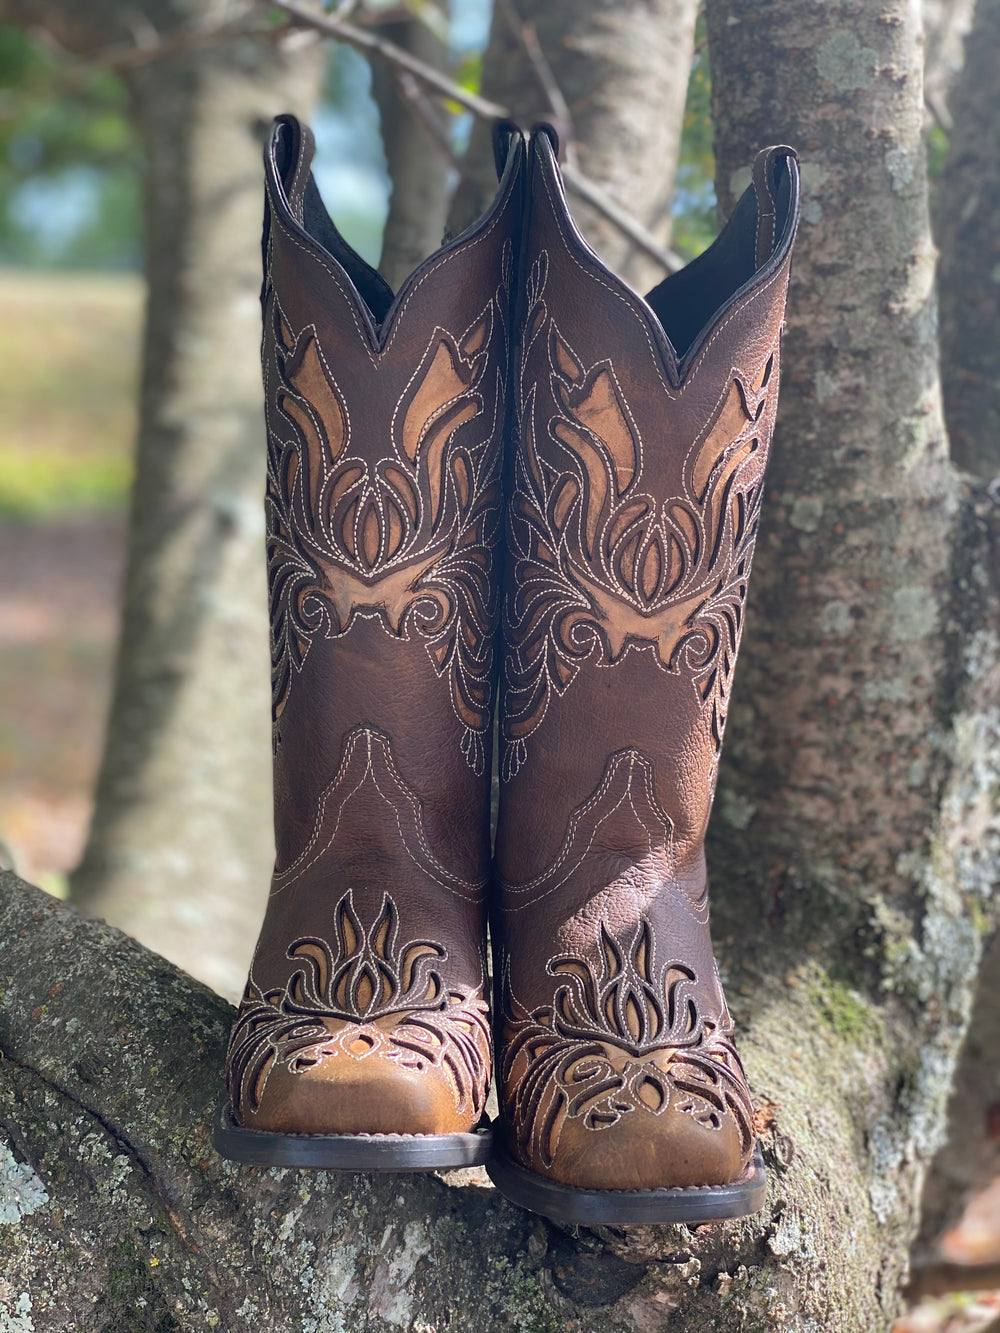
(623, 72)
(116, 1213)
(180, 844)
(418, 168)
(968, 234)
(853, 841)
(967, 219)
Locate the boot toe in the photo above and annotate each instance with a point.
(617, 1123)
(643, 1151)
(366, 1079)
(343, 1095)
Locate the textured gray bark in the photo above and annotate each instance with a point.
(855, 838)
(116, 1214)
(418, 168)
(180, 846)
(967, 224)
(623, 71)
(967, 221)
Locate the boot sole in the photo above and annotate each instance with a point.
(349, 1152)
(693, 1204)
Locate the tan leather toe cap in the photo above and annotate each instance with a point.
(341, 1094)
(592, 1116)
(647, 1151)
(395, 1076)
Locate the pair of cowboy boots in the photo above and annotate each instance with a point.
(514, 457)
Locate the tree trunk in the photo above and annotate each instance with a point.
(967, 224)
(180, 845)
(622, 71)
(418, 168)
(967, 220)
(853, 856)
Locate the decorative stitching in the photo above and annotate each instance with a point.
(365, 995)
(621, 1037)
(601, 567)
(408, 540)
(376, 755)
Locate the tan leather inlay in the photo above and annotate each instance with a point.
(402, 537)
(606, 566)
(636, 488)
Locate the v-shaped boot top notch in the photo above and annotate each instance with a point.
(756, 241)
(293, 191)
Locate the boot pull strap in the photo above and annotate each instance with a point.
(543, 127)
(287, 158)
(291, 150)
(764, 172)
(504, 134)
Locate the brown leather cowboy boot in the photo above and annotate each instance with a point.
(633, 508)
(363, 1038)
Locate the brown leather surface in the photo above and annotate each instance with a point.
(365, 1007)
(643, 430)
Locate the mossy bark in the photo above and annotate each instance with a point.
(855, 827)
(853, 858)
(116, 1214)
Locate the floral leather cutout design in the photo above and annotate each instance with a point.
(364, 1012)
(407, 539)
(603, 565)
(365, 995)
(636, 490)
(622, 1037)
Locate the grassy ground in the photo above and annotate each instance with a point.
(69, 352)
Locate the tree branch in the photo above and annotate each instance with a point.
(584, 188)
(372, 44)
(116, 1200)
(527, 35)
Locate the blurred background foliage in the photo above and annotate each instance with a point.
(70, 203)
(69, 162)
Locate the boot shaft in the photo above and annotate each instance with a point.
(385, 420)
(365, 1011)
(643, 430)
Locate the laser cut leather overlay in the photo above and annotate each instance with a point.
(366, 994)
(408, 539)
(603, 566)
(623, 1036)
(365, 1011)
(635, 496)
